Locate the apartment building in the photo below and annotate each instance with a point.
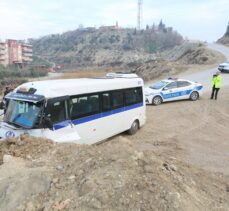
(27, 53)
(4, 54)
(15, 52)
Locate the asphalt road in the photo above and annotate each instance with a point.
(204, 77)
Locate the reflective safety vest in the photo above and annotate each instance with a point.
(216, 81)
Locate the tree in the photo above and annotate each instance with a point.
(153, 27)
(135, 31)
(227, 32)
(161, 26)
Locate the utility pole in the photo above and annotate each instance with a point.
(140, 14)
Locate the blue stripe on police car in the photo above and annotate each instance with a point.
(175, 94)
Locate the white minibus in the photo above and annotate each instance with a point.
(82, 111)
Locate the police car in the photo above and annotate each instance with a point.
(224, 67)
(172, 89)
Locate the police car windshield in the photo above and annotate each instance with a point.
(159, 85)
(22, 113)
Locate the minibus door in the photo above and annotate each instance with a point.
(57, 116)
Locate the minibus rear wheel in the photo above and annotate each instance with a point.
(134, 128)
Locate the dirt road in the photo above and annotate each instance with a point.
(199, 128)
(205, 76)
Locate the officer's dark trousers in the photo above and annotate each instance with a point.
(214, 92)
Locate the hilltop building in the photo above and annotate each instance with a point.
(15, 52)
(107, 28)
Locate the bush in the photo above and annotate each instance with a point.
(127, 47)
(15, 72)
(151, 47)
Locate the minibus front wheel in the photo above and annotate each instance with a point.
(134, 128)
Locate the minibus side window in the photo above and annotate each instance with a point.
(133, 96)
(139, 96)
(85, 105)
(117, 99)
(106, 101)
(57, 111)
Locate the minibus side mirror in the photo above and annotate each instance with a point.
(2, 106)
(165, 89)
(48, 122)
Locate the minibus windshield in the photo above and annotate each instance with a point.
(22, 113)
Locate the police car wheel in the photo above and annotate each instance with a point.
(157, 100)
(134, 128)
(194, 96)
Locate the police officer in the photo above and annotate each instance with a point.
(7, 90)
(4, 102)
(216, 84)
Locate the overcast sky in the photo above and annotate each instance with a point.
(195, 19)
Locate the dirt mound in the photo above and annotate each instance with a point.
(192, 53)
(117, 175)
(154, 69)
(25, 147)
(20, 181)
(178, 51)
(200, 55)
(180, 59)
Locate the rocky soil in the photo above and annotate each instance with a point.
(186, 57)
(224, 41)
(178, 161)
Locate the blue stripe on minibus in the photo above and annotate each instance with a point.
(60, 125)
(96, 116)
(105, 114)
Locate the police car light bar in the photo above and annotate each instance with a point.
(171, 78)
(121, 75)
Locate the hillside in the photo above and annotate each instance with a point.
(185, 57)
(106, 46)
(225, 39)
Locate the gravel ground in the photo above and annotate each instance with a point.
(178, 161)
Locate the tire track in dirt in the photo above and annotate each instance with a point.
(195, 131)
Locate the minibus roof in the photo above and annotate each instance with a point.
(68, 87)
